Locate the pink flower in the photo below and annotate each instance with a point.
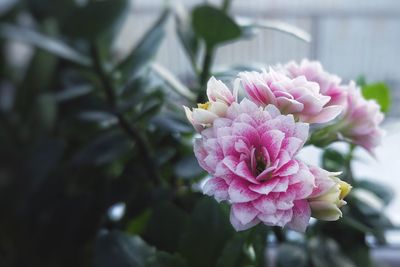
(327, 197)
(329, 84)
(296, 96)
(361, 120)
(250, 154)
(220, 98)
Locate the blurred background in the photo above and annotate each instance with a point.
(86, 89)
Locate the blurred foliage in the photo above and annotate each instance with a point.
(82, 132)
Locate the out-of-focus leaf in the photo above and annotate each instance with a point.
(325, 252)
(146, 49)
(121, 250)
(103, 149)
(232, 255)
(188, 167)
(213, 25)
(172, 123)
(333, 160)
(42, 9)
(249, 28)
(7, 5)
(95, 18)
(137, 226)
(291, 255)
(46, 110)
(379, 92)
(382, 191)
(173, 82)
(208, 222)
(149, 106)
(102, 118)
(164, 228)
(163, 259)
(41, 41)
(73, 92)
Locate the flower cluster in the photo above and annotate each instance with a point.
(249, 146)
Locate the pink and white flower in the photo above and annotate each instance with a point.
(296, 96)
(220, 98)
(250, 154)
(329, 84)
(361, 120)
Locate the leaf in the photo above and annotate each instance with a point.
(384, 192)
(73, 92)
(291, 255)
(173, 82)
(164, 227)
(120, 250)
(146, 49)
(206, 234)
(94, 19)
(213, 25)
(250, 27)
(379, 92)
(43, 9)
(333, 160)
(163, 259)
(41, 41)
(188, 167)
(232, 255)
(172, 123)
(103, 149)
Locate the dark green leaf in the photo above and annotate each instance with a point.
(232, 255)
(49, 44)
(164, 228)
(379, 92)
(137, 225)
(73, 92)
(42, 9)
(146, 49)
(213, 25)
(94, 19)
(121, 250)
(333, 160)
(384, 192)
(206, 234)
(163, 259)
(172, 123)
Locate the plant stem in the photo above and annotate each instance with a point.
(226, 5)
(127, 127)
(206, 73)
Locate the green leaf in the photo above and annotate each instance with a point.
(333, 160)
(291, 255)
(137, 225)
(41, 41)
(213, 25)
(172, 123)
(42, 9)
(164, 228)
(379, 92)
(146, 49)
(163, 259)
(384, 192)
(206, 234)
(232, 255)
(94, 19)
(121, 250)
(73, 92)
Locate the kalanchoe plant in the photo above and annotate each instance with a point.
(249, 147)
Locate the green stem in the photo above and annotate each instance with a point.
(349, 158)
(126, 126)
(206, 73)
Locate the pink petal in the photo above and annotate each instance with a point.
(272, 141)
(292, 145)
(265, 204)
(301, 216)
(327, 114)
(282, 186)
(239, 193)
(239, 226)
(216, 187)
(289, 168)
(244, 212)
(264, 188)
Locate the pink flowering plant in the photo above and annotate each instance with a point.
(101, 166)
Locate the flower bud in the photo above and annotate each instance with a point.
(327, 197)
